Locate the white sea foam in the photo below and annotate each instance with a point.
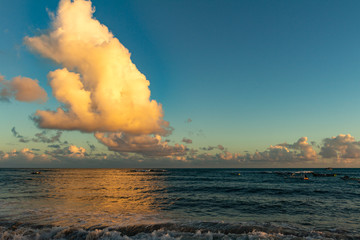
(166, 232)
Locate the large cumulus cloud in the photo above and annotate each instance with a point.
(101, 88)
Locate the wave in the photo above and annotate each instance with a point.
(193, 230)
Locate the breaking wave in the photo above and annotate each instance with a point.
(194, 230)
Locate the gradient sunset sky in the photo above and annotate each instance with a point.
(232, 83)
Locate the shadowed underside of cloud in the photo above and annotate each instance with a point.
(187, 140)
(17, 135)
(341, 147)
(71, 151)
(146, 145)
(300, 151)
(100, 86)
(209, 148)
(22, 89)
(42, 137)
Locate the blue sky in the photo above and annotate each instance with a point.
(249, 74)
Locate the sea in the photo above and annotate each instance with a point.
(180, 204)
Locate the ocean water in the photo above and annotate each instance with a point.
(179, 204)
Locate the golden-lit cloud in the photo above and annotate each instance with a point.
(24, 154)
(101, 88)
(74, 151)
(22, 89)
(230, 156)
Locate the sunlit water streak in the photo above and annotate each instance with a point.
(186, 203)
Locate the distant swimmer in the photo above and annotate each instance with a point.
(350, 178)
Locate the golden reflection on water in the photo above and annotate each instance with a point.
(111, 196)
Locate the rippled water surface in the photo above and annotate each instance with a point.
(185, 203)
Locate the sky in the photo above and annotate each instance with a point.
(179, 83)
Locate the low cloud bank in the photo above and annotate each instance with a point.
(151, 151)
